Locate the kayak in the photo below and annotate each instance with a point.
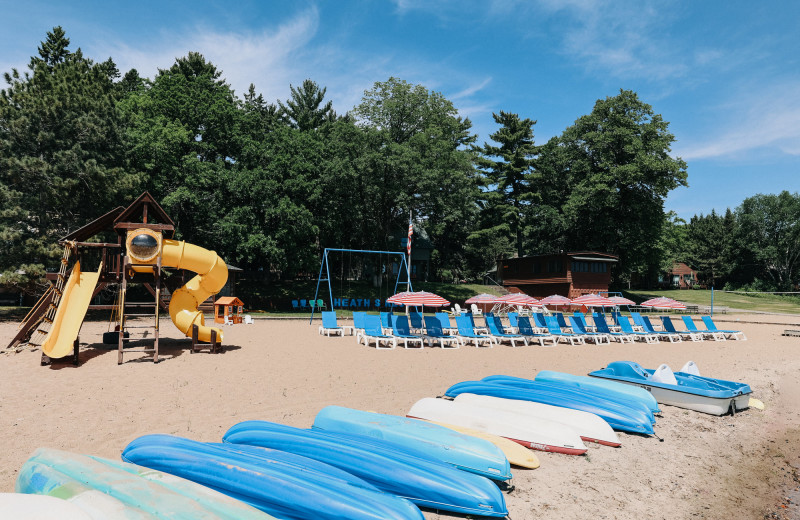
(516, 454)
(600, 386)
(281, 484)
(467, 453)
(111, 490)
(391, 468)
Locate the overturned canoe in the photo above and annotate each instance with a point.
(467, 453)
(389, 467)
(599, 386)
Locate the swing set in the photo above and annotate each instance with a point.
(325, 268)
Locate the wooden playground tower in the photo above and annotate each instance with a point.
(127, 245)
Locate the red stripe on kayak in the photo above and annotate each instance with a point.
(604, 443)
(549, 447)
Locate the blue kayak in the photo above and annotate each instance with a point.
(602, 398)
(388, 466)
(618, 416)
(600, 387)
(465, 452)
(282, 484)
(114, 490)
(703, 394)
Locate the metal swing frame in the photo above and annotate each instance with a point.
(325, 266)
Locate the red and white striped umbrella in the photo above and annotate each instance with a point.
(619, 300)
(482, 298)
(663, 303)
(518, 299)
(592, 300)
(555, 300)
(417, 299)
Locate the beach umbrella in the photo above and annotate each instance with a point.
(418, 299)
(556, 300)
(482, 298)
(663, 303)
(619, 300)
(592, 300)
(518, 299)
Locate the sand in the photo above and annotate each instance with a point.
(742, 466)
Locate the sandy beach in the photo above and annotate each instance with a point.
(742, 466)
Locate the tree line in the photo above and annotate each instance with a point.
(270, 185)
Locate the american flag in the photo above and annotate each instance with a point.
(410, 232)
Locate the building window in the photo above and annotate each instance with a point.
(554, 266)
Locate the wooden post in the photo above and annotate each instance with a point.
(75, 350)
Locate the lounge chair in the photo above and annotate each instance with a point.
(711, 326)
(386, 321)
(691, 327)
(248, 320)
(373, 332)
(685, 334)
(495, 327)
(444, 321)
(562, 322)
(582, 318)
(627, 328)
(434, 332)
(555, 330)
(401, 331)
(648, 327)
(579, 327)
(513, 323)
(359, 321)
(601, 326)
(527, 330)
(467, 333)
(539, 322)
(476, 328)
(457, 310)
(415, 318)
(475, 310)
(329, 325)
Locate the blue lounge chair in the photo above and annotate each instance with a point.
(513, 323)
(401, 331)
(691, 327)
(580, 328)
(662, 334)
(555, 330)
(627, 328)
(329, 325)
(601, 326)
(374, 332)
(562, 322)
(578, 315)
(527, 330)
(495, 327)
(539, 322)
(638, 321)
(359, 321)
(386, 321)
(417, 324)
(444, 321)
(434, 332)
(685, 334)
(712, 327)
(467, 333)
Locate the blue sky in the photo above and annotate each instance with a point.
(724, 74)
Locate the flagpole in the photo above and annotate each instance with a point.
(408, 250)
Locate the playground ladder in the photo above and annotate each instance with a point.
(136, 310)
(46, 322)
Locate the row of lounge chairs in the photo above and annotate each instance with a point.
(388, 330)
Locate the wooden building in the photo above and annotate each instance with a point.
(568, 274)
(681, 276)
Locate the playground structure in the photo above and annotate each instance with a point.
(144, 248)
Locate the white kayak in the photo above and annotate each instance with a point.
(534, 433)
(19, 506)
(590, 427)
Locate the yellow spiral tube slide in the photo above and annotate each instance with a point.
(212, 273)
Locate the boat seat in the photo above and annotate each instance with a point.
(664, 374)
(690, 368)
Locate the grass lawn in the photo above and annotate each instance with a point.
(747, 302)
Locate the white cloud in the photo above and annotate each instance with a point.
(758, 117)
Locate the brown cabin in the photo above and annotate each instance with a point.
(568, 274)
(681, 276)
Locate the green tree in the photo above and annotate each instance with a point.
(305, 110)
(619, 170)
(61, 155)
(707, 243)
(768, 231)
(508, 176)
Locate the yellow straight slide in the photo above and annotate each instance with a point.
(212, 273)
(71, 311)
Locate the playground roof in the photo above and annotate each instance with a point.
(103, 223)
